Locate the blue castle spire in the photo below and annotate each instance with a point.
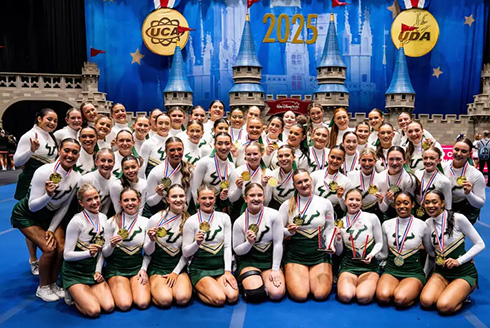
(331, 54)
(401, 84)
(246, 53)
(177, 79)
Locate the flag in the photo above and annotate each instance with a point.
(164, 3)
(95, 52)
(336, 3)
(251, 2)
(406, 28)
(182, 29)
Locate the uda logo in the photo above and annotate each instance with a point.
(160, 31)
(417, 29)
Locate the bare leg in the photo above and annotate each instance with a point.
(275, 293)
(37, 235)
(297, 281)
(141, 293)
(407, 292)
(366, 287)
(432, 290)
(161, 294)
(230, 293)
(451, 299)
(210, 291)
(182, 290)
(346, 287)
(103, 293)
(321, 280)
(121, 291)
(85, 300)
(385, 289)
(59, 234)
(31, 248)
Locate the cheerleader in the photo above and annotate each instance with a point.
(330, 183)
(73, 120)
(125, 147)
(177, 118)
(89, 114)
(129, 178)
(39, 215)
(272, 138)
(404, 119)
(455, 276)
(351, 161)
(153, 126)
(297, 141)
(361, 240)
(362, 133)
(207, 239)
(168, 279)
(339, 126)
(319, 151)
(386, 134)
(102, 126)
(367, 181)
(257, 242)
(118, 115)
(216, 111)
(88, 140)
(432, 179)
(376, 120)
(195, 147)
(417, 143)
(216, 171)
(237, 120)
(125, 269)
(289, 119)
(307, 270)
(102, 178)
(153, 149)
(468, 184)
(403, 276)
(283, 177)
(171, 171)
(83, 260)
(315, 116)
(141, 128)
(254, 133)
(198, 114)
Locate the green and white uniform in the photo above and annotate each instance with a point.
(166, 253)
(299, 158)
(255, 176)
(403, 140)
(78, 266)
(417, 234)
(433, 181)
(126, 259)
(213, 257)
(453, 246)
(404, 182)
(66, 132)
(285, 187)
(362, 182)
(116, 188)
(302, 248)
(321, 186)
(382, 163)
(103, 187)
(152, 153)
(318, 159)
(116, 128)
(193, 153)
(85, 162)
(266, 252)
(351, 163)
(415, 162)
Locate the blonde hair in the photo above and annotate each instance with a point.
(83, 189)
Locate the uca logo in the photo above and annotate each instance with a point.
(163, 31)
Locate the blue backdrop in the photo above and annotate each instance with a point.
(289, 68)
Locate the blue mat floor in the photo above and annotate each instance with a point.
(20, 308)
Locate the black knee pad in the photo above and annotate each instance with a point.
(257, 295)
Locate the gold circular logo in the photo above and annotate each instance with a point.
(417, 29)
(160, 31)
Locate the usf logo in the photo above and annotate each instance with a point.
(50, 150)
(412, 236)
(170, 234)
(210, 237)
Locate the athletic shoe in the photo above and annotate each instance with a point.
(46, 294)
(68, 299)
(60, 292)
(34, 267)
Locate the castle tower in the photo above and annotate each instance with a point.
(479, 109)
(90, 89)
(178, 91)
(247, 90)
(331, 91)
(400, 96)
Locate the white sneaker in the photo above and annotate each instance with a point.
(68, 299)
(46, 294)
(58, 291)
(34, 267)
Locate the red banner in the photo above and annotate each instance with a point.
(281, 106)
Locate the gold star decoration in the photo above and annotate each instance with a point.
(437, 72)
(394, 8)
(468, 20)
(137, 57)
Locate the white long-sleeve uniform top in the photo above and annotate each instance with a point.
(476, 196)
(102, 185)
(236, 192)
(407, 183)
(116, 188)
(46, 153)
(152, 151)
(322, 189)
(66, 132)
(440, 182)
(356, 177)
(155, 178)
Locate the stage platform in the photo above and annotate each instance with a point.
(20, 308)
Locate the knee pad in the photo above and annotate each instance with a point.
(253, 295)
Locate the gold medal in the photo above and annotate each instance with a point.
(167, 182)
(420, 212)
(161, 232)
(440, 260)
(425, 145)
(55, 178)
(394, 188)
(274, 145)
(123, 233)
(272, 182)
(237, 144)
(99, 240)
(333, 186)
(224, 184)
(460, 180)
(339, 224)
(399, 261)
(373, 190)
(204, 226)
(298, 220)
(253, 227)
(245, 176)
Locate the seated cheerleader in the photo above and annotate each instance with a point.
(81, 271)
(207, 239)
(455, 276)
(362, 241)
(125, 271)
(168, 279)
(257, 241)
(403, 276)
(307, 270)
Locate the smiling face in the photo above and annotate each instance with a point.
(48, 122)
(303, 184)
(175, 152)
(217, 110)
(255, 199)
(130, 170)
(403, 205)
(88, 139)
(341, 119)
(367, 162)
(335, 159)
(198, 114)
(350, 144)
(105, 163)
(385, 135)
(431, 159)
(320, 137)
(141, 126)
(375, 119)
(90, 200)
(176, 200)
(119, 113)
(195, 133)
(253, 155)
(353, 201)
(89, 113)
(362, 132)
(74, 119)
(125, 142)
(254, 128)
(274, 128)
(69, 153)
(415, 133)
(177, 118)
(206, 200)
(316, 115)
(433, 204)
(289, 119)
(285, 157)
(221, 127)
(237, 119)
(461, 153)
(153, 116)
(163, 125)
(130, 202)
(103, 127)
(395, 162)
(253, 112)
(295, 136)
(222, 145)
(403, 120)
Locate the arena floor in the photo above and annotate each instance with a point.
(20, 308)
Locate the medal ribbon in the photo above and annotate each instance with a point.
(404, 237)
(57, 166)
(233, 137)
(89, 219)
(319, 164)
(351, 165)
(177, 168)
(288, 177)
(131, 226)
(254, 173)
(371, 179)
(199, 217)
(218, 169)
(423, 190)
(302, 213)
(325, 178)
(440, 237)
(248, 141)
(398, 181)
(463, 171)
(163, 222)
(259, 219)
(349, 223)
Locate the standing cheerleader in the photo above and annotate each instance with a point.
(216, 111)
(153, 126)
(89, 114)
(362, 133)
(118, 114)
(168, 279)
(283, 175)
(125, 270)
(339, 126)
(272, 139)
(468, 184)
(88, 140)
(455, 276)
(125, 147)
(362, 240)
(257, 241)
(315, 116)
(417, 143)
(254, 132)
(141, 128)
(403, 276)
(153, 149)
(82, 267)
(103, 126)
(319, 151)
(207, 239)
(198, 113)
(404, 119)
(297, 141)
(386, 134)
(195, 147)
(351, 161)
(289, 119)
(177, 118)
(237, 120)
(304, 215)
(73, 120)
